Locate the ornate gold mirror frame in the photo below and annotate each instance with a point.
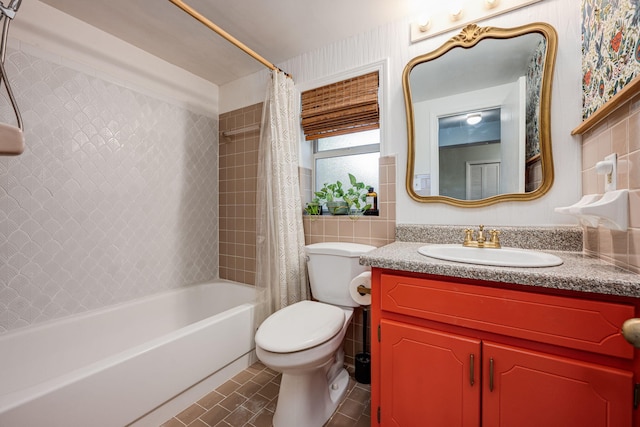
(469, 37)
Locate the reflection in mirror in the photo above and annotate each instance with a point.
(478, 117)
(470, 142)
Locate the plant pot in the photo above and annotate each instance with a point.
(355, 213)
(338, 207)
(313, 209)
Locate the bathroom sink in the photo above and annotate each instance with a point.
(503, 257)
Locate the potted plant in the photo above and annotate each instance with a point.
(356, 197)
(340, 200)
(313, 207)
(331, 196)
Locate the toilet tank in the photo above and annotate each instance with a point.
(332, 266)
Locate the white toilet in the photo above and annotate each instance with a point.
(304, 340)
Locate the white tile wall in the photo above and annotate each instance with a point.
(114, 198)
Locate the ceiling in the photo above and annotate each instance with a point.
(278, 30)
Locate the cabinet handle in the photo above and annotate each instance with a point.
(472, 370)
(631, 331)
(491, 374)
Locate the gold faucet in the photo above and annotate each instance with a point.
(481, 240)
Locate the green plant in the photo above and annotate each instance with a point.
(314, 207)
(329, 193)
(355, 196)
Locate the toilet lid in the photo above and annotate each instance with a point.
(299, 326)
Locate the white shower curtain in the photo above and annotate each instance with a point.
(281, 277)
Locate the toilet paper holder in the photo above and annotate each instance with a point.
(360, 288)
(363, 290)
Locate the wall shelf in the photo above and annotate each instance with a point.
(617, 101)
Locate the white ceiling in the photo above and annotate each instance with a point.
(278, 30)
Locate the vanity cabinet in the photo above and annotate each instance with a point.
(470, 353)
(428, 375)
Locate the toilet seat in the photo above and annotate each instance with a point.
(300, 326)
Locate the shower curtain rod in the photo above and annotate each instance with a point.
(246, 49)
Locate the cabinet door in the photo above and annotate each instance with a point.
(533, 389)
(428, 378)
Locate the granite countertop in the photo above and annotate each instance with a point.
(578, 272)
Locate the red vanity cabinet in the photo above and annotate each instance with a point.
(452, 352)
(537, 389)
(426, 375)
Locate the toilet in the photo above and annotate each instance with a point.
(303, 341)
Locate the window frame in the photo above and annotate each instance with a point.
(309, 148)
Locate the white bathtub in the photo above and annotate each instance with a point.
(110, 367)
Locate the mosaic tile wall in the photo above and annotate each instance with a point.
(610, 49)
(115, 196)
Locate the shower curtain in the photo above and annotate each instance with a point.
(281, 277)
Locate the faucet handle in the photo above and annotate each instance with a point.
(494, 237)
(468, 235)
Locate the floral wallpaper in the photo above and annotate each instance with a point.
(610, 49)
(534, 91)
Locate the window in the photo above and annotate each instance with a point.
(342, 121)
(356, 153)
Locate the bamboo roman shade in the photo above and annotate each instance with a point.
(343, 107)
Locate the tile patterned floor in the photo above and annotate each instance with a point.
(249, 399)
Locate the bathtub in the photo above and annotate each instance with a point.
(110, 367)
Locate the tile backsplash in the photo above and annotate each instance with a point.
(115, 196)
(618, 133)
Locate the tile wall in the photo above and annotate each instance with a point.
(618, 133)
(114, 197)
(238, 182)
(376, 231)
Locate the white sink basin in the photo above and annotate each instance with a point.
(503, 257)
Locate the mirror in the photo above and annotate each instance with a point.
(478, 117)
